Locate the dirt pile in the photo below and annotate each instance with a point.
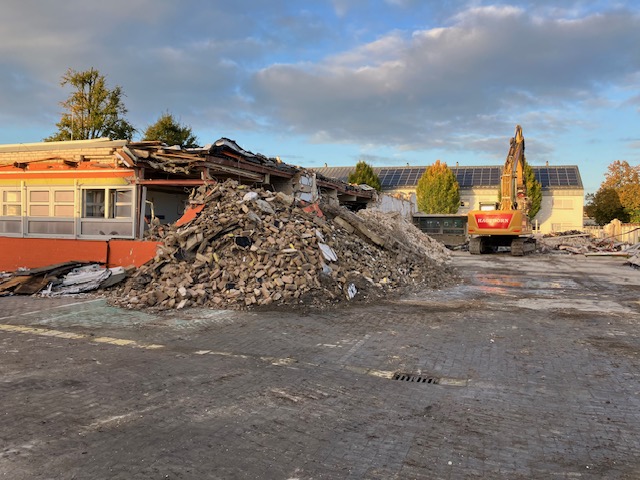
(250, 247)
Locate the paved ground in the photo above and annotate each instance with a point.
(537, 360)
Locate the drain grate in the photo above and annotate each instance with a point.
(409, 377)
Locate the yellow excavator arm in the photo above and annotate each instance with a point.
(513, 187)
(509, 225)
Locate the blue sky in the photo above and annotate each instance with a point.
(391, 82)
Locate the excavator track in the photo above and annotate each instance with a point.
(481, 245)
(475, 246)
(522, 246)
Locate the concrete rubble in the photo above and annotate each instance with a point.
(249, 248)
(579, 243)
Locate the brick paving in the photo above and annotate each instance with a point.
(538, 360)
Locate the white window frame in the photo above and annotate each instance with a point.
(109, 225)
(50, 218)
(4, 204)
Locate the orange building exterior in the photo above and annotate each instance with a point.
(69, 201)
(92, 200)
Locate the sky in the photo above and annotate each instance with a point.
(390, 82)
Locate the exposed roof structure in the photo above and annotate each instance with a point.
(154, 163)
(565, 176)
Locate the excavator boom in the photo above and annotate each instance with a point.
(508, 225)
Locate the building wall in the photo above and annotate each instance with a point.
(470, 199)
(67, 190)
(393, 203)
(560, 210)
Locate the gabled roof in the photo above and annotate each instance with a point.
(564, 176)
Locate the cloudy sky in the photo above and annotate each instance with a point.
(391, 82)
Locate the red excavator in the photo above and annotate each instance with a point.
(505, 224)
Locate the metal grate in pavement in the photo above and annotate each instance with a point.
(409, 377)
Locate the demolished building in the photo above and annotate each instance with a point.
(93, 200)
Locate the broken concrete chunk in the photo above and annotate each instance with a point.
(265, 206)
(250, 196)
(118, 274)
(193, 240)
(285, 199)
(253, 217)
(327, 252)
(344, 224)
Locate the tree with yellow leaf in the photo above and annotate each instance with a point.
(438, 190)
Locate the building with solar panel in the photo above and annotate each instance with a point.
(562, 192)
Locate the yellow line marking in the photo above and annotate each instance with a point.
(45, 332)
(113, 341)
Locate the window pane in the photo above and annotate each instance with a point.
(94, 196)
(11, 211)
(39, 196)
(12, 197)
(124, 196)
(94, 211)
(63, 196)
(57, 228)
(10, 226)
(63, 210)
(39, 210)
(107, 228)
(123, 211)
(93, 205)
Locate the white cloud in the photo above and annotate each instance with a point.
(493, 61)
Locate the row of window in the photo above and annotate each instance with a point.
(67, 211)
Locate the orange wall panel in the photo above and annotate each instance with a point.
(41, 252)
(18, 253)
(130, 252)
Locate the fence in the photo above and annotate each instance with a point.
(617, 231)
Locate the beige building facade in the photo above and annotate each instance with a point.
(562, 190)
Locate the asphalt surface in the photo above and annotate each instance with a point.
(527, 370)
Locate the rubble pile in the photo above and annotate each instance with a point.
(405, 233)
(576, 242)
(567, 242)
(634, 255)
(251, 247)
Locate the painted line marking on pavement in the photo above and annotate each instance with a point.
(45, 332)
(61, 306)
(58, 306)
(79, 303)
(289, 361)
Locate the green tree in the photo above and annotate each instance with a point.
(534, 191)
(364, 174)
(605, 205)
(169, 131)
(92, 110)
(625, 179)
(438, 190)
